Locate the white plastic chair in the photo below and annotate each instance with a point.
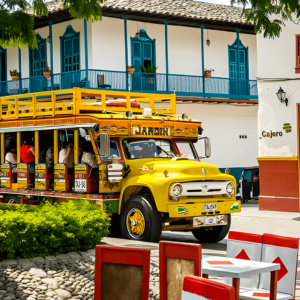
(282, 250)
(247, 246)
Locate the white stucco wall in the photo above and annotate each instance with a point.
(223, 124)
(106, 47)
(276, 60)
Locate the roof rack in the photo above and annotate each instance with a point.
(75, 101)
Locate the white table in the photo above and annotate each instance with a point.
(238, 268)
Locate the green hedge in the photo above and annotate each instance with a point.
(48, 229)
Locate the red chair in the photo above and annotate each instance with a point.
(25, 179)
(122, 273)
(197, 288)
(7, 177)
(284, 251)
(62, 178)
(176, 260)
(246, 246)
(42, 178)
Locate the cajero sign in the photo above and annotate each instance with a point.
(271, 134)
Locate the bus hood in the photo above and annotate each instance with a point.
(176, 167)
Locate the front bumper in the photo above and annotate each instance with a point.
(178, 210)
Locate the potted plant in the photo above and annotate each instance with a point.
(47, 71)
(149, 73)
(130, 70)
(14, 75)
(207, 73)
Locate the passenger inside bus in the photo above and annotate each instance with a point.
(88, 157)
(27, 153)
(49, 159)
(11, 157)
(66, 156)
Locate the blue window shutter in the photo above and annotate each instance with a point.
(42, 49)
(147, 51)
(137, 49)
(35, 54)
(38, 57)
(75, 47)
(242, 56)
(68, 47)
(232, 56)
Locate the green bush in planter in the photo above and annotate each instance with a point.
(48, 229)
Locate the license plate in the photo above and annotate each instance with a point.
(80, 185)
(211, 220)
(210, 207)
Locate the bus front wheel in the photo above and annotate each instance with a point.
(140, 220)
(214, 234)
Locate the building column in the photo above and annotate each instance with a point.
(20, 71)
(126, 50)
(86, 55)
(202, 55)
(238, 62)
(167, 56)
(51, 53)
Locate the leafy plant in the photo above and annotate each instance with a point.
(148, 69)
(17, 18)
(14, 73)
(208, 71)
(48, 229)
(46, 67)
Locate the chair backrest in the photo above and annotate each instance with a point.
(284, 251)
(176, 260)
(197, 288)
(248, 246)
(122, 273)
(100, 79)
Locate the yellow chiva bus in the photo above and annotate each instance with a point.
(149, 177)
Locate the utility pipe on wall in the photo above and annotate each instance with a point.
(238, 62)
(20, 71)
(167, 56)
(86, 55)
(51, 53)
(126, 50)
(202, 55)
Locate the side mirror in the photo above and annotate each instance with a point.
(104, 144)
(207, 147)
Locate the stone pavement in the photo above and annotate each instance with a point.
(249, 220)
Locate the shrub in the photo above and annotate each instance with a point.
(48, 229)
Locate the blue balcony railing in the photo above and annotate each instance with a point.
(182, 85)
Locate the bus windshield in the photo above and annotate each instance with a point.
(148, 148)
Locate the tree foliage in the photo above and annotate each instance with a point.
(17, 18)
(269, 16)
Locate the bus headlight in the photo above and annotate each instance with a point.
(177, 190)
(230, 188)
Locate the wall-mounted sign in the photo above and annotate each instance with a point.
(271, 134)
(287, 127)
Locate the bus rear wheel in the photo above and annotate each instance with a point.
(140, 220)
(12, 199)
(213, 235)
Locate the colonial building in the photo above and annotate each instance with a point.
(278, 121)
(170, 44)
